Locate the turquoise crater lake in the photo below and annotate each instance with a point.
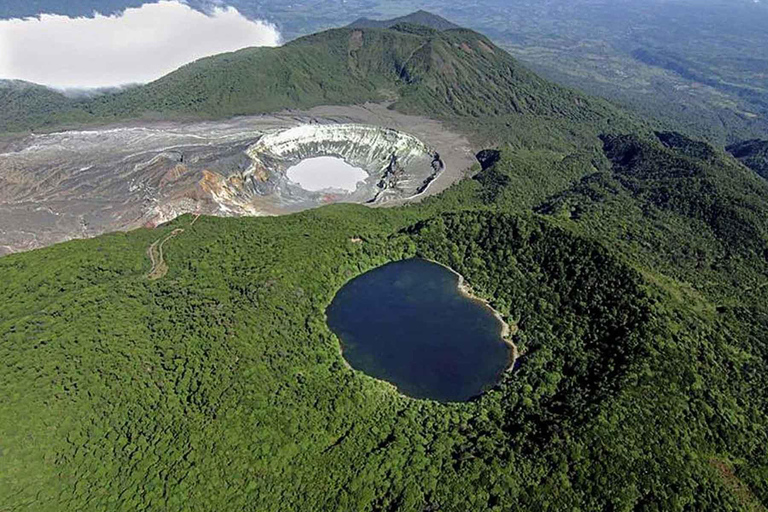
(409, 324)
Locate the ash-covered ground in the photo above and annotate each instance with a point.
(77, 184)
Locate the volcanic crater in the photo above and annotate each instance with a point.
(79, 184)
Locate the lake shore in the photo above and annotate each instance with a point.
(506, 330)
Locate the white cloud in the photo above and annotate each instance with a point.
(138, 46)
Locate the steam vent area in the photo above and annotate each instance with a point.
(123, 177)
(314, 164)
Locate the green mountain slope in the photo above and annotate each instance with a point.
(642, 383)
(633, 266)
(424, 18)
(692, 210)
(753, 154)
(457, 72)
(26, 105)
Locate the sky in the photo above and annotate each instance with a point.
(137, 46)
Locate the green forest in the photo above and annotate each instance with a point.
(632, 262)
(417, 69)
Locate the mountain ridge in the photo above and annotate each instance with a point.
(420, 17)
(457, 71)
(753, 154)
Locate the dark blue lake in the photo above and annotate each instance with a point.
(407, 323)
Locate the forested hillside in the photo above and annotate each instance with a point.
(697, 65)
(424, 18)
(632, 266)
(641, 318)
(753, 154)
(421, 70)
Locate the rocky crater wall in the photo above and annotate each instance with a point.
(399, 165)
(79, 184)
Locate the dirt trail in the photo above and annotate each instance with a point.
(142, 151)
(155, 253)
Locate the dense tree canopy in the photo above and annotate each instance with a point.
(632, 265)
